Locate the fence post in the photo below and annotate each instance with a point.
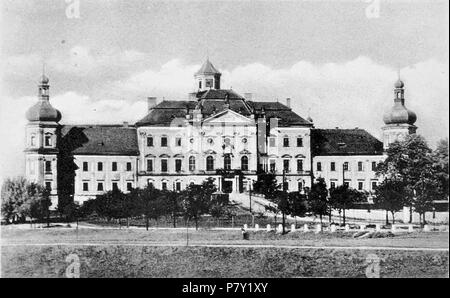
(280, 228)
(393, 228)
(318, 228)
(347, 228)
(410, 228)
(268, 228)
(332, 228)
(245, 226)
(378, 227)
(292, 227)
(426, 228)
(305, 228)
(362, 227)
(256, 227)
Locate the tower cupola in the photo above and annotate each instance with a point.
(43, 110)
(207, 77)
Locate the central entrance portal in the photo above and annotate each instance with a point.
(227, 186)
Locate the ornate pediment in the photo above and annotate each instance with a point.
(210, 151)
(300, 156)
(245, 151)
(230, 117)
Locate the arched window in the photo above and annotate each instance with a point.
(192, 163)
(227, 162)
(244, 163)
(210, 163)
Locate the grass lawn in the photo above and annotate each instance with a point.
(111, 253)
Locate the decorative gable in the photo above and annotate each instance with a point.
(230, 117)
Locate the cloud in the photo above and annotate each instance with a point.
(351, 94)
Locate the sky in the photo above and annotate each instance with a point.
(337, 60)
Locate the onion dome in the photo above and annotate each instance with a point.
(399, 84)
(44, 80)
(43, 111)
(399, 114)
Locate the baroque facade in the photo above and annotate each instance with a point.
(216, 133)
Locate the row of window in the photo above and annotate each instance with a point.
(47, 140)
(345, 166)
(286, 165)
(114, 166)
(192, 164)
(286, 142)
(101, 186)
(360, 185)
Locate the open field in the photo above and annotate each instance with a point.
(218, 253)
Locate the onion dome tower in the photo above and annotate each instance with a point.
(41, 136)
(207, 77)
(399, 121)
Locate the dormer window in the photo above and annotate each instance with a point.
(209, 83)
(199, 84)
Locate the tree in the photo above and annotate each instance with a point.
(298, 205)
(38, 202)
(410, 161)
(14, 195)
(440, 166)
(112, 205)
(389, 195)
(197, 200)
(317, 198)
(343, 197)
(152, 203)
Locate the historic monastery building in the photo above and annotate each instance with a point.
(216, 133)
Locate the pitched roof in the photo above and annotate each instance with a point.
(214, 101)
(207, 68)
(344, 142)
(286, 117)
(99, 140)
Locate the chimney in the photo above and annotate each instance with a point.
(151, 101)
(125, 124)
(288, 102)
(248, 96)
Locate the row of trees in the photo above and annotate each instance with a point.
(22, 199)
(413, 176)
(152, 203)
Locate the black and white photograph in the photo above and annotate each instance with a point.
(238, 141)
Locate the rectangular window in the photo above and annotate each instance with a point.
(85, 186)
(178, 165)
(32, 167)
(100, 186)
(299, 142)
(164, 185)
(374, 166)
(347, 183)
(191, 163)
(300, 186)
(114, 166)
(285, 186)
(115, 186)
(48, 185)
(272, 142)
(48, 166)
(285, 142)
(360, 185)
(374, 185)
(129, 186)
(360, 166)
(332, 184)
(33, 141)
(129, 167)
(210, 163)
(149, 141)
(333, 166)
(178, 186)
(286, 165)
(319, 166)
(48, 140)
(178, 142)
(164, 165)
(345, 166)
(163, 141)
(85, 166)
(299, 165)
(149, 165)
(99, 166)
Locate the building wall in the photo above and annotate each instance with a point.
(353, 176)
(107, 176)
